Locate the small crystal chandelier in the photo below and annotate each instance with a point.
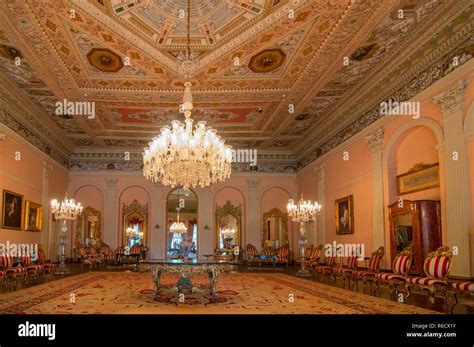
(228, 233)
(178, 227)
(67, 209)
(181, 156)
(305, 211)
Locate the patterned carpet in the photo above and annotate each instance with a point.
(238, 293)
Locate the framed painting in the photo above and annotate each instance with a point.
(33, 216)
(420, 177)
(345, 215)
(12, 210)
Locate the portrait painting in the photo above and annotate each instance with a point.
(12, 210)
(345, 215)
(33, 215)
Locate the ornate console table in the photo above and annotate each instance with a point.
(186, 268)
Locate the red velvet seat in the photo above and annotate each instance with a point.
(348, 272)
(33, 271)
(12, 273)
(48, 268)
(325, 270)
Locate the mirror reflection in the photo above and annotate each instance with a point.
(182, 224)
(404, 228)
(275, 229)
(88, 231)
(134, 224)
(228, 229)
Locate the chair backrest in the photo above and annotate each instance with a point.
(308, 251)
(6, 261)
(331, 261)
(120, 251)
(93, 251)
(41, 257)
(283, 252)
(376, 259)
(26, 257)
(267, 252)
(438, 263)
(352, 262)
(105, 250)
(402, 262)
(135, 250)
(251, 250)
(316, 254)
(82, 252)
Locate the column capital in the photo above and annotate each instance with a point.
(111, 182)
(319, 171)
(47, 167)
(451, 99)
(375, 140)
(253, 183)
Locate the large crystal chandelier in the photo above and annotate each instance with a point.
(304, 211)
(181, 156)
(67, 209)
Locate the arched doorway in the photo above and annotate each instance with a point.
(185, 204)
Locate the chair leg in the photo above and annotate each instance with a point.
(377, 287)
(432, 291)
(407, 287)
(455, 299)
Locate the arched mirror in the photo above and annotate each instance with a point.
(228, 227)
(88, 232)
(182, 224)
(134, 224)
(275, 229)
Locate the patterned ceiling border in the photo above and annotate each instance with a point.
(94, 161)
(413, 87)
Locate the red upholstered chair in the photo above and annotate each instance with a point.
(314, 257)
(463, 291)
(106, 254)
(436, 268)
(400, 267)
(326, 270)
(283, 255)
(3, 277)
(48, 268)
(369, 275)
(33, 271)
(307, 253)
(12, 273)
(86, 258)
(251, 254)
(347, 272)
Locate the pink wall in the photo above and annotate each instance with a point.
(25, 176)
(342, 178)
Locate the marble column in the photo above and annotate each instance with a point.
(46, 239)
(375, 142)
(253, 228)
(458, 205)
(321, 198)
(110, 228)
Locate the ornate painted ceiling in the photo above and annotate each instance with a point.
(292, 79)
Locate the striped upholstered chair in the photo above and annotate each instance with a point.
(436, 268)
(283, 255)
(347, 273)
(33, 271)
(107, 256)
(463, 291)
(400, 269)
(313, 259)
(12, 273)
(48, 268)
(326, 270)
(251, 254)
(307, 253)
(370, 274)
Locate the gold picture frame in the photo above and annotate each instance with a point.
(12, 210)
(344, 212)
(419, 177)
(33, 216)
